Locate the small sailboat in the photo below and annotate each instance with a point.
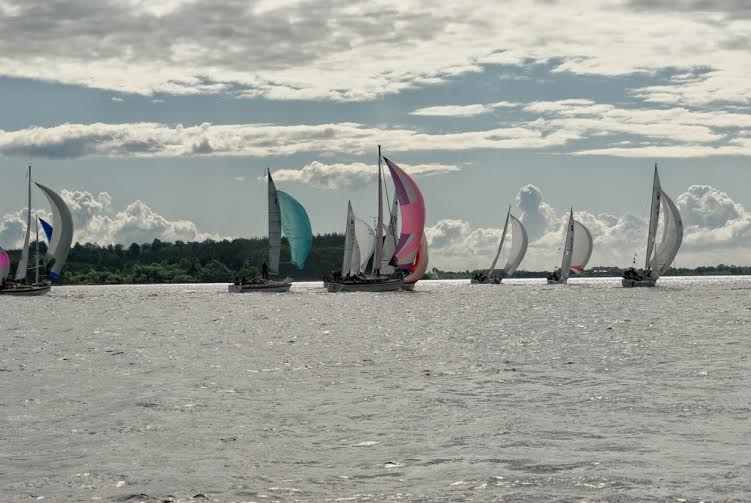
(519, 242)
(393, 260)
(660, 256)
(576, 252)
(288, 215)
(60, 237)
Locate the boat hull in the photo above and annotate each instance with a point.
(637, 283)
(490, 281)
(23, 290)
(410, 287)
(366, 285)
(557, 282)
(262, 286)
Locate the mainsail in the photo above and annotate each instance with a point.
(519, 243)
(62, 237)
(654, 218)
(4, 264)
(412, 206)
(672, 236)
(365, 238)
(296, 226)
(275, 227)
(23, 264)
(568, 248)
(582, 252)
(500, 245)
(349, 240)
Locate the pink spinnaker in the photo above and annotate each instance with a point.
(4, 264)
(412, 206)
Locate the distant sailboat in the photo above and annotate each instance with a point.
(576, 252)
(388, 250)
(288, 215)
(519, 242)
(660, 256)
(60, 237)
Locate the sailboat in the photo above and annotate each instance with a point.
(519, 243)
(576, 252)
(660, 256)
(60, 240)
(393, 259)
(288, 215)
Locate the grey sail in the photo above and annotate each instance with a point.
(23, 264)
(672, 236)
(275, 227)
(62, 237)
(568, 248)
(519, 243)
(349, 240)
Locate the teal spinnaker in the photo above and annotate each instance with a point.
(296, 226)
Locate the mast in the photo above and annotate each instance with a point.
(654, 218)
(379, 223)
(36, 265)
(500, 246)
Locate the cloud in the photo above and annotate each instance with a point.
(537, 215)
(350, 176)
(146, 139)
(461, 110)
(95, 221)
(358, 50)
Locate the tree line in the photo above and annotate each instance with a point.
(219, 261)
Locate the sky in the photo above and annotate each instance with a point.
(158, 119)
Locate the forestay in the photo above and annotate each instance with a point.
(519, 243)
(23, 264)
(296, 226)
(672, 236)
(62, 237)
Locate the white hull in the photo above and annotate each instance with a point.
(366, 285)
(268, 286)
(634, 283)
(23, 290)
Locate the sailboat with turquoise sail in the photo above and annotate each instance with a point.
(577, 251)
(287, 215)
(60, 238)
(660, 255)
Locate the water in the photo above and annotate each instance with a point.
(519, 392)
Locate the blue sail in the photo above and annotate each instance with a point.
(47, 229)
(296, 226)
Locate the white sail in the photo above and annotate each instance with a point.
(378, 238)
(23, 264)
(500, 245)
(568, 248)
(519, 243)
(354, 263)
(275, 227)
(62, 237)
(654, 218)
(672, 236)
(583, 244)
(389, 240)
(366, 239)
(349, 240)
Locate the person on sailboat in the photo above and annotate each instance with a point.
(265, 271)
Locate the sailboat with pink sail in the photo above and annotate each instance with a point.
(396, 263)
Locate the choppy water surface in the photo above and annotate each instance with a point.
(519, 392)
